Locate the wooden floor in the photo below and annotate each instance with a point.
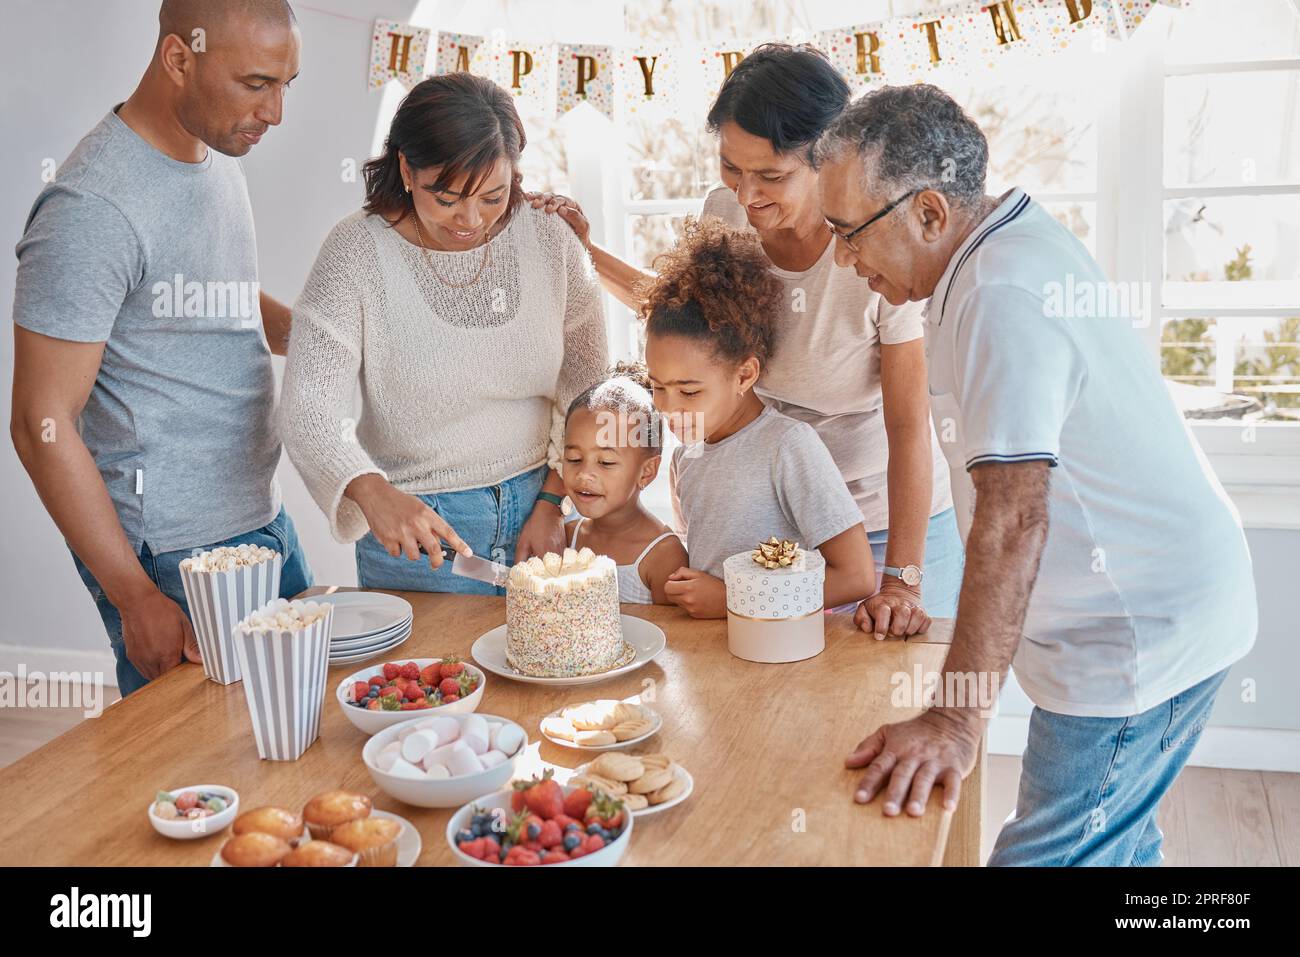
(1211, 817)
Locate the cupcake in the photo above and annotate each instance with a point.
(320, 854)
(254, 850)
(327, 811)
(275, 821)
(374, 838)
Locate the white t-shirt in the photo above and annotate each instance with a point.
(1145, 586)
(770, 477)
(825, 369)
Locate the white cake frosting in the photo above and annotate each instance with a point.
(562, 615)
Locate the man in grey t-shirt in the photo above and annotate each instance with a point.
(143, 388)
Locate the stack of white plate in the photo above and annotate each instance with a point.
(366, 624)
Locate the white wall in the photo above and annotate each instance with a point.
(297, 192)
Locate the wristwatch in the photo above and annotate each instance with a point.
(557, 500)
(908, 574)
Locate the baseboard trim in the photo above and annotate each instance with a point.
(1241, 749)
(48, 660)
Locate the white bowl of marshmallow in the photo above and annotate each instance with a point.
(444, 760)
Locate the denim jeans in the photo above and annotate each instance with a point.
(488, 519)
(1090, 787)
(945, 561)
(164, 570)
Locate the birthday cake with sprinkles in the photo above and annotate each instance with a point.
(562, 616)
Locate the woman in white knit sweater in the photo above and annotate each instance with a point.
(470, 321)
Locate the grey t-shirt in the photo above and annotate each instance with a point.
(157, 259)
(772, 477)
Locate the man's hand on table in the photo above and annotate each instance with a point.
(907, 759)
(157, 634)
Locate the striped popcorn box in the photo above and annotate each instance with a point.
(283, 650)
(223, 587)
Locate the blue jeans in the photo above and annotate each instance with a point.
(488, 519)
(1090, 787)
(945, 561)
(164, 570)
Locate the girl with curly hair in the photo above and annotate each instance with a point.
(612, 451)
(744, 471)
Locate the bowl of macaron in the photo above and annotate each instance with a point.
(444, 760)
(380, 696)
(541, 822)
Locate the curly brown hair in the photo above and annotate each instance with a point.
(715, 286)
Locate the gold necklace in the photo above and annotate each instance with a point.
(487, 254)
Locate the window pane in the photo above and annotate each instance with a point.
(1233, 238)
(544, 162)
(1234, 368)
(1081, 218)
(652, 235)
(1219, 30)
(1042, 133)
(675, 158)
(1230, 129)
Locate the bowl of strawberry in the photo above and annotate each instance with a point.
(540, 822)
(378, 697)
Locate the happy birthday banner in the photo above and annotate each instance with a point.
(648, 77)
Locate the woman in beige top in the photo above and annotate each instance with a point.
(846, 361)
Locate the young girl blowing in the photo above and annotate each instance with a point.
(745, 472)
(612, 451)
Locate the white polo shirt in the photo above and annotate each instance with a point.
(1145, 586)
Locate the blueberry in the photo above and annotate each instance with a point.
(463, 835)
(571, 841)
(533, 831)
(541, 855)
(593, 828)
(572, 826)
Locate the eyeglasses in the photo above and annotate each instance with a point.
(847, 238)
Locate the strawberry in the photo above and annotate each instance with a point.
(449, 686)
(592, 843)
(449, 698)
(575, 804)
(555, 857)
(430, 675)
(517, 798)
(605, 811)
(359, 690)
(409, 705)
(451, 667)
(577, 852)
(551, 834)
(413, 692)
(410, 671)
(373, 705)
(391, 671)
(543, 796)
(563, 820)
(391, 691)
(401, 682)
(379, 680)
(467, 683)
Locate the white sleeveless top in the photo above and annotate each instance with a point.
(630, 586)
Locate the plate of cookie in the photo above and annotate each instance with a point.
(645, 783)
(602, 725)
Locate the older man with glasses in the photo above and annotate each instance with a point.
(1104, 561)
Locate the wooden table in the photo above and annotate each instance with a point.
(765, 744)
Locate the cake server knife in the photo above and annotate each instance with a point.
(480, 569)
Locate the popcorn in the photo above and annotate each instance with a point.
(226, 557)
(284, 615)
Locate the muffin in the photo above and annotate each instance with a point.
(254, 849)
(319, 854)
(374, 838)
(327, 811)
(275, 821)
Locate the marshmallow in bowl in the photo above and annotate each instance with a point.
(285, 615)
(226, 557)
